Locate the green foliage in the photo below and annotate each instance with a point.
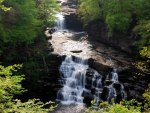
(122, 16)
(89, 10)
(144, 9)
(23, 22)
(10, 84)
(115, 13)
(2, 7)
(31, 106)
(47, 10)
(143, 45)
(146, 95)
(145, 52)
(115, 24)
(143, 29)
(20, 24)
(118, 108)
(124, 107)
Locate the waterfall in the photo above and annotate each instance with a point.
(115, 88)
(73, 75)
(78, 80)
(60, 23)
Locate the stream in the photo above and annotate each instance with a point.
(78, 80)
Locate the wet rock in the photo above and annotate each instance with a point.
(63, 57)
(104, 69)
(47, 35)
(88, 100)
(117, 86)
(93, 90)
(133, 94)
(88, 86)
(105, 93)
(89, 73)
(58, 1)
(76, 51)
(51, 30)
(73, 23)
(98, 29)
(50, 49)
(64, 4)
(86, 94)
(108, 82)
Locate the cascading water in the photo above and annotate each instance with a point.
(75, 86)
(78, 80)
(60, 23)
(115, 88)
(73, 76)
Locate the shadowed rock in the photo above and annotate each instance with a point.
(76, 51)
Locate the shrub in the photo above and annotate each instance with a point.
(10, 84)
(123, 107)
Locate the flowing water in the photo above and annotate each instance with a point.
(60, 23)
(74, 81)
(73, 77)
(115, 88)
(78, 82)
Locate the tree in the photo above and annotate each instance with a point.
(21, 23)
(89, 10)
(48, 10)
(2, 6)
(146, 95)
(115, 13)
(25, 20)
(10, 84)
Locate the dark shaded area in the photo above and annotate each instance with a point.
(135, 85)
(40, 67)
(73, 23)
(119, 41)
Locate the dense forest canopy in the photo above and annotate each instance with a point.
(2, 7)
(120, 16)
(20, 23)
(116, 13)
(23, 22)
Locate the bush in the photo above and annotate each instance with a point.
(124, 107)
(146, 95)
(143, 30)
(10, 84)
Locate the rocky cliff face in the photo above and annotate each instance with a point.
(99, 31)
(135, 85)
